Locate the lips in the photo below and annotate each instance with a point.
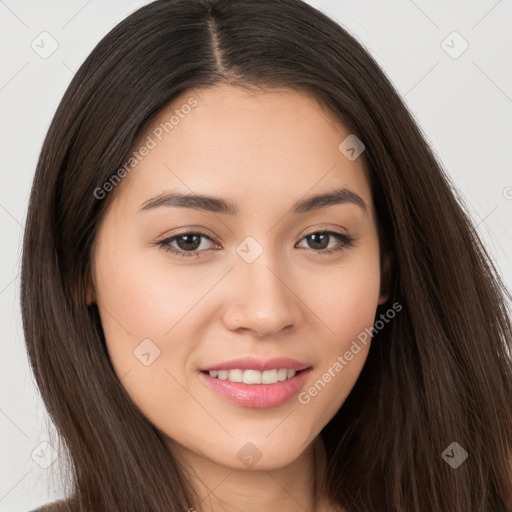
(254, 363)
(256, 395)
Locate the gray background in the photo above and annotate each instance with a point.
(463, 103)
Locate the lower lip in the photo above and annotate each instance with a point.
(257, 395)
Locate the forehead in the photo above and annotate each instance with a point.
(258, 145)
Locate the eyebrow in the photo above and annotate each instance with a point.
(174, 199)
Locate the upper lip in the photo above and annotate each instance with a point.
(253, 363)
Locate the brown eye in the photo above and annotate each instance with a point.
(187, 243)
(319, 241)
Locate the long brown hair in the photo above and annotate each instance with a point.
(438, 374)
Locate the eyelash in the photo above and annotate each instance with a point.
(346, 241)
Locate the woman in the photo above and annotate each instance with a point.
(247, 282)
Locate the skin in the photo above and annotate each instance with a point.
(262, 150)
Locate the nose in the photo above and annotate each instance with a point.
(259, 299)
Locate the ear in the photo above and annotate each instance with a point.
(90, 297)
(385, 279)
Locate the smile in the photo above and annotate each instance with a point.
(253, 376)
(252, 388)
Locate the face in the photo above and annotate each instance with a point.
(182, 287)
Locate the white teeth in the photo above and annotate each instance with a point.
(253, 376)
(269, 377)
(282, 374)
(235, 375)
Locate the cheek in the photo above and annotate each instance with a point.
(346, 304)
(346, 300)
(136, 303)
(143, 295)
(140, 312)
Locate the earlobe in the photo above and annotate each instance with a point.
(385, 279)
(90, 300)
(90, 296)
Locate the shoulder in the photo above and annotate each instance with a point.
(56, 506)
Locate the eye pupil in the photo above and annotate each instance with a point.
(315, 236)
(187, 238)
